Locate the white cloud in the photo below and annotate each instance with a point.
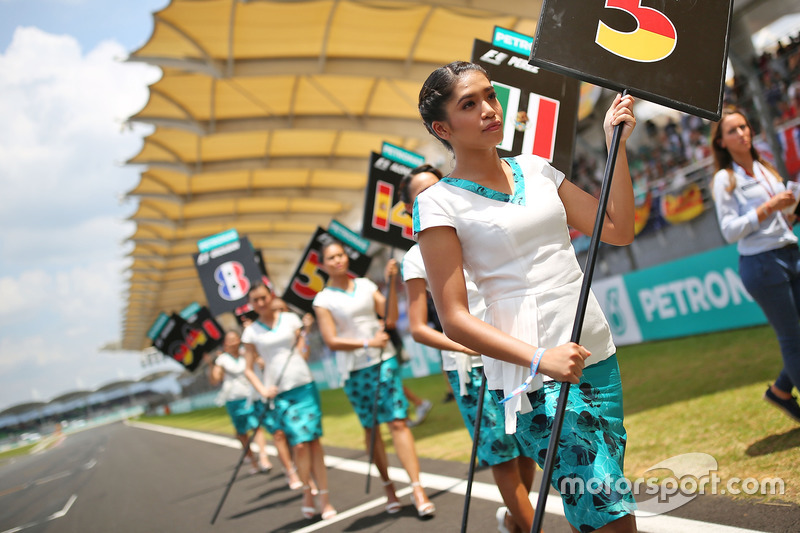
(61, 223)
(62, 143)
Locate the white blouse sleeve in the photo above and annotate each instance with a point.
(733, 225)
(248, 335)
(292, 320)
(321, 300)
(430, 211)
(413, 266)
(533, 164)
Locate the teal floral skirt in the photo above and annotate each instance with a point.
(588, 469)
(360, 390)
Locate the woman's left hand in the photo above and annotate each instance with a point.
(271, 392)
(391, 270)
(620, 111)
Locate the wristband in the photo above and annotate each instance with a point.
(366, 344)
(537, 358)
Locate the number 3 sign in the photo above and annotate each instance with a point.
(672, 52)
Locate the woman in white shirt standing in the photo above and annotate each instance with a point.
(347, 313)
(236, 394)
(505, 221)
(511, 469)
(278, 337)
(750, 196)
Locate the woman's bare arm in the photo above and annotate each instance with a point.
(327, 328)
(417, 292)
(441, 251)
(581, 207)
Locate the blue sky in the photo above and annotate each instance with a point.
(66, 95)
(128, 22)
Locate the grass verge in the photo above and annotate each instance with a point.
(14, 452)
(696, 394)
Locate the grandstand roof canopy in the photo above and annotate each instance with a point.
(265, 117)
(22, 408)
(264, 120)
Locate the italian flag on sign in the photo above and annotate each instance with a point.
(538, 129)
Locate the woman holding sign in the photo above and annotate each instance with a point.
(751, 201)
(512, 471)
(347, 315)
(505, 222)
(279, 338)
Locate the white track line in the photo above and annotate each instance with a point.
(484, 491)
(58, 514)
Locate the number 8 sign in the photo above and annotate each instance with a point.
(670, 52)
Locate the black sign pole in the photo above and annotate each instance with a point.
(250, 440)
(238, 466)
(583, 300)
(375, 427)
(473, 456)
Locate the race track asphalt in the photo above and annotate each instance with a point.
(137, 478)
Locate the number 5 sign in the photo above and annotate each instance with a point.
(672, 52)
(308, 278)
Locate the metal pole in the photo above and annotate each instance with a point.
(473, 457)
(238, 466)
(552, 447)
(250, 440)
(375, 426)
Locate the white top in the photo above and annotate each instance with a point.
(275, 346)
(414, 268)
(518, 251)
(235, 384)
(736, 210)
(354, 316)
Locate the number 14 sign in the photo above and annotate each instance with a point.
(672, 52)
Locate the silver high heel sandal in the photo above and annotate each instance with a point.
(391, 507)
(426, 509)
(308, 511)
(330, 513)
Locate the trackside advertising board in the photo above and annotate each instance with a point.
(308, 278)
(701, 293)
(540, 107)
(673, 53)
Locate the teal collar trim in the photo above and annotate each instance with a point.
(415, 217)
(266, 327)
(348, 293)
(517, 198)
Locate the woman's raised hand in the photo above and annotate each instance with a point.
(565, 362)
(621, 110)
(391, 270)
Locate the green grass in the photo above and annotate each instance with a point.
(696, 394)
(14, 452)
